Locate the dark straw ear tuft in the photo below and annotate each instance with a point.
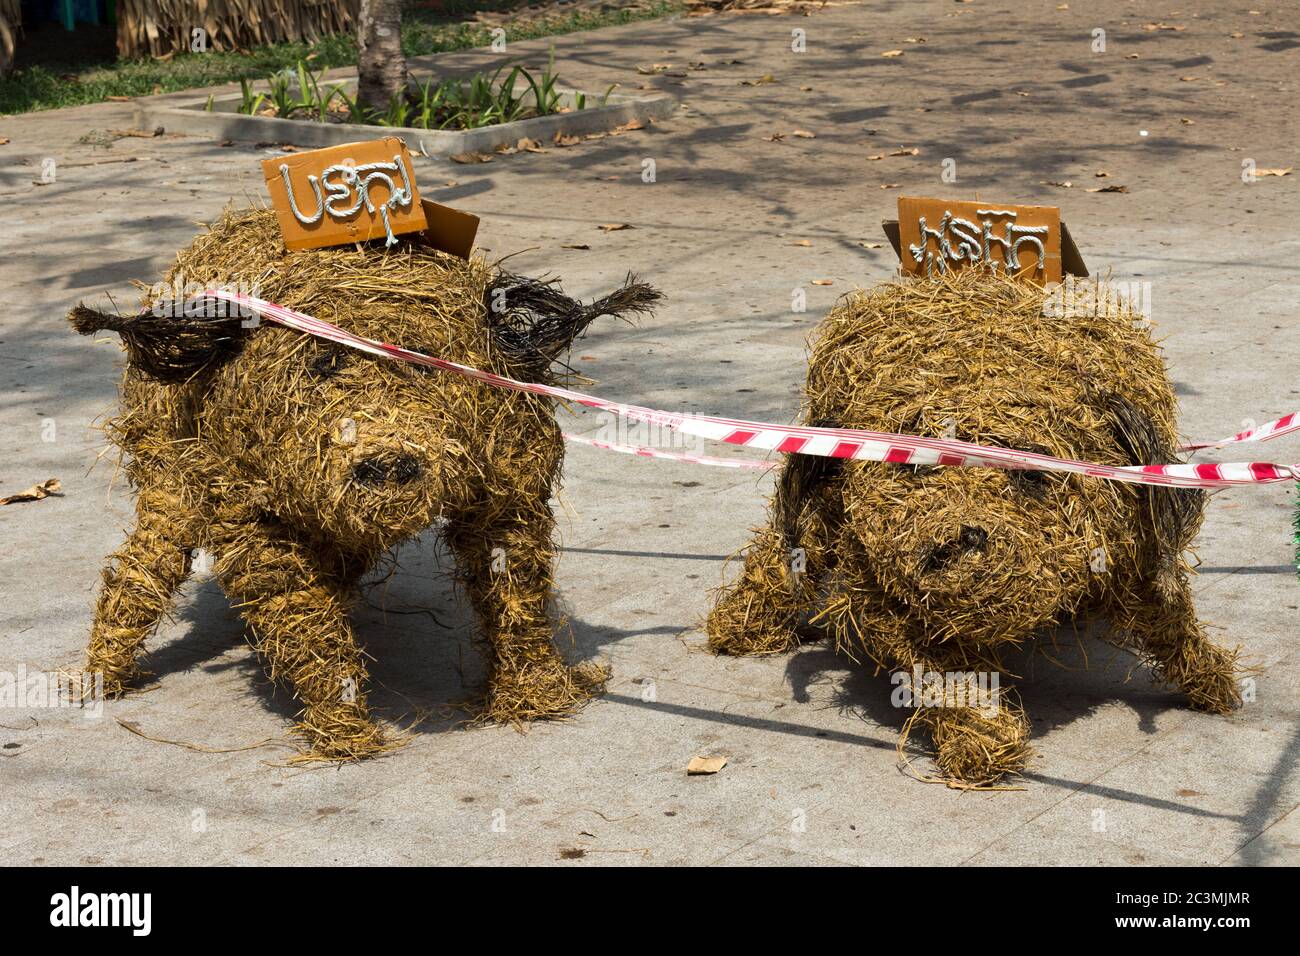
(168, 348)
(533, 322)
(1172, 515)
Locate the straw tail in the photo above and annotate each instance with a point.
(165, 347)
(533, 322)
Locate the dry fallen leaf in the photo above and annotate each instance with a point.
(1236, 36)
(1187, 79)
(1285, 171)
(613, 226)
(575, 245)
(765, 78)
(528, 145)
(892, 53)
(4, 140)
(869, 245)
(823, 282)
(1131, 56)
(35, 493)
(913, 39)
(803, 134)
(889, 185)
(702, 765)
(801, 242)
(563, 140)
(1107, 189)
(1187, 122)
(630, 125)
(775, 137)
(470, 157)
(504, 150)
(653, 69)
(1064, 183)
(901, 151)
(1102, 174)
(875, 156)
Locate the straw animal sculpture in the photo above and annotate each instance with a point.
(298, 463)
(942, 568)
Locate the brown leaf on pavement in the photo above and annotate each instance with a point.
(705, 765)
(35, 493)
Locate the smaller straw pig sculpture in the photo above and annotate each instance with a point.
(940, 568)
(299, 463)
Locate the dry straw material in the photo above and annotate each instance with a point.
(163, 27)
(298, 463)
(942, 569)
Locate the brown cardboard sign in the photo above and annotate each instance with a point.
(449, 230)
(938, 235)
(343, 194)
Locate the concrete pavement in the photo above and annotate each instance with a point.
(1015, 96)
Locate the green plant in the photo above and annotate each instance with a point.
(472, 102)
(251, 103)
(293, 91)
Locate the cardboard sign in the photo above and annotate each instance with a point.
(936, 236)
(449, 230)
(344, 194)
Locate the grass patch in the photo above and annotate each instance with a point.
(468, 102)
(51, 85)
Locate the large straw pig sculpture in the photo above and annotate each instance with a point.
(298, 463)
(939, 568)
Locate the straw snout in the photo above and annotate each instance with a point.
(946, 552)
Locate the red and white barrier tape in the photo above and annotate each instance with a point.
(1274, 429)
(808, 440)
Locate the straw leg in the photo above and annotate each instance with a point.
(760, 613)
(295, 597)
(978, 733)
(504, 553)
(973, 745)
(1174, 643)
(139, 581)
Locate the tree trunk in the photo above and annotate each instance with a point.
(7, 32)
(381, 66)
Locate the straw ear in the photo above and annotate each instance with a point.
(168, 348)
(533, 322)
(1170, 517)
